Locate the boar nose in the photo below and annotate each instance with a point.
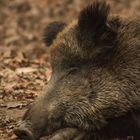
(23, 133)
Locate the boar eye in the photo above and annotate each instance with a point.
(73, 70)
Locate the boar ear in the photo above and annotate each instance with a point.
(51, 32)
(93, 25)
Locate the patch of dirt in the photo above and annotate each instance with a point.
(24, 60)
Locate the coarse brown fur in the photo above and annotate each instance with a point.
(95, 84)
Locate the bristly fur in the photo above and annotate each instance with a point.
(94, 16)
(51, 32)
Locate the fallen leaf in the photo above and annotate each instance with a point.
(25, 70)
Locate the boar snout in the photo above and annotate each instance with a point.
(23, 132)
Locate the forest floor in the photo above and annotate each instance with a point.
(24, 60)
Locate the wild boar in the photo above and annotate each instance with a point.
(94, 91)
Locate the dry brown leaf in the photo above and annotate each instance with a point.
(25, 70)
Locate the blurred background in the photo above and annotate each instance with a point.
(24, 60)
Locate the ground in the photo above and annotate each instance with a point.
(24, 60)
